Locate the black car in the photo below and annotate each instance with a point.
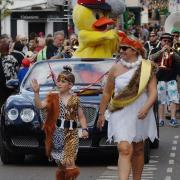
(21, 122)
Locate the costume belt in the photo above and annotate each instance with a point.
(69, 124)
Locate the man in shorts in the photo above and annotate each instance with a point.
(168, 61)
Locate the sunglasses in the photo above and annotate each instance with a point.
(167, 41)
(124, 48)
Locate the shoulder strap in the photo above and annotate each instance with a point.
(145, 75)
(126, 98)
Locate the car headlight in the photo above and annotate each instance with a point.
(27, 115)
(13, 114)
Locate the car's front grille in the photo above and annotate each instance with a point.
(85, 142)
(25, 141)
(90, 112)
(104, 142)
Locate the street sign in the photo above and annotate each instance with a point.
(57, 19)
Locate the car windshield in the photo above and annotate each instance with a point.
(86, 72)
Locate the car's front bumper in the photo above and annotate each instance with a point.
(23, 139)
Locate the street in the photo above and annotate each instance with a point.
(164, 164)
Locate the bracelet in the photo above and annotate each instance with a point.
(85, 129)
(100, 114)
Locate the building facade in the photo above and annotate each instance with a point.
(29, 16)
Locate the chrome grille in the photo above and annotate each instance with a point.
(25, 141)
(90, 112)
(85, 142)
(104, 142)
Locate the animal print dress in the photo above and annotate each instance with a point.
(65, 140)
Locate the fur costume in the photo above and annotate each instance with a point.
(67, 173)
(60, 174)
(96, 39)
(66, 137)
(72, 174)
(52, 115)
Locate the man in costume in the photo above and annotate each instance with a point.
(96, 37)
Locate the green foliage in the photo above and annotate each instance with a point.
(4, 10)
(129, 19)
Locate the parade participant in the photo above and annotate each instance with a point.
(168, 60)
(96, 36)
(129, 94)
(152, 43)
(63, 112)
(176, 40)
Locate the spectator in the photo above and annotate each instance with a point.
(17, 52)
(24, 69)
(24, 40)
(144, 33)
(42, 55)
(57, 46)
(8, 68)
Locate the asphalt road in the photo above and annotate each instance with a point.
(164, 163)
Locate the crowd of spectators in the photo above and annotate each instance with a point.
(18, 55)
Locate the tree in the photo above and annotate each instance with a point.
(3, 8)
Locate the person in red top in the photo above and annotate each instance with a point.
(24, 69)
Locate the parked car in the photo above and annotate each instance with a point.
(21, 122)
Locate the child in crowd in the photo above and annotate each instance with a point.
(24, 69)
(63, 111)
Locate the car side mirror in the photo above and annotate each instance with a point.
(13, 83)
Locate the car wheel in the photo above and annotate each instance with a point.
(146, 151)
(10, 158)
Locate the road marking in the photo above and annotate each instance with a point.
(153, 161)
(154, 156)
(112, 168)
(167, 178)
(176, 137)
(174, 141)
(172, 154)
(169, 170)
(171, 161)
(108, 176)
(148, 172)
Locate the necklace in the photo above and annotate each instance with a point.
(131, 65)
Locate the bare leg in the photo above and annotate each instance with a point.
(124, 162)
(173, 110)
(161, 112)
(137, 160)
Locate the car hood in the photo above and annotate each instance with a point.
(28, 99)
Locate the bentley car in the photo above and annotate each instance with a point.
(21, 122)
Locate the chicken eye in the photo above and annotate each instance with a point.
(97, 16)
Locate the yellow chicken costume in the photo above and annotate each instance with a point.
(96, 38)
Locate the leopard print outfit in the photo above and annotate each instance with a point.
(66, 141)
